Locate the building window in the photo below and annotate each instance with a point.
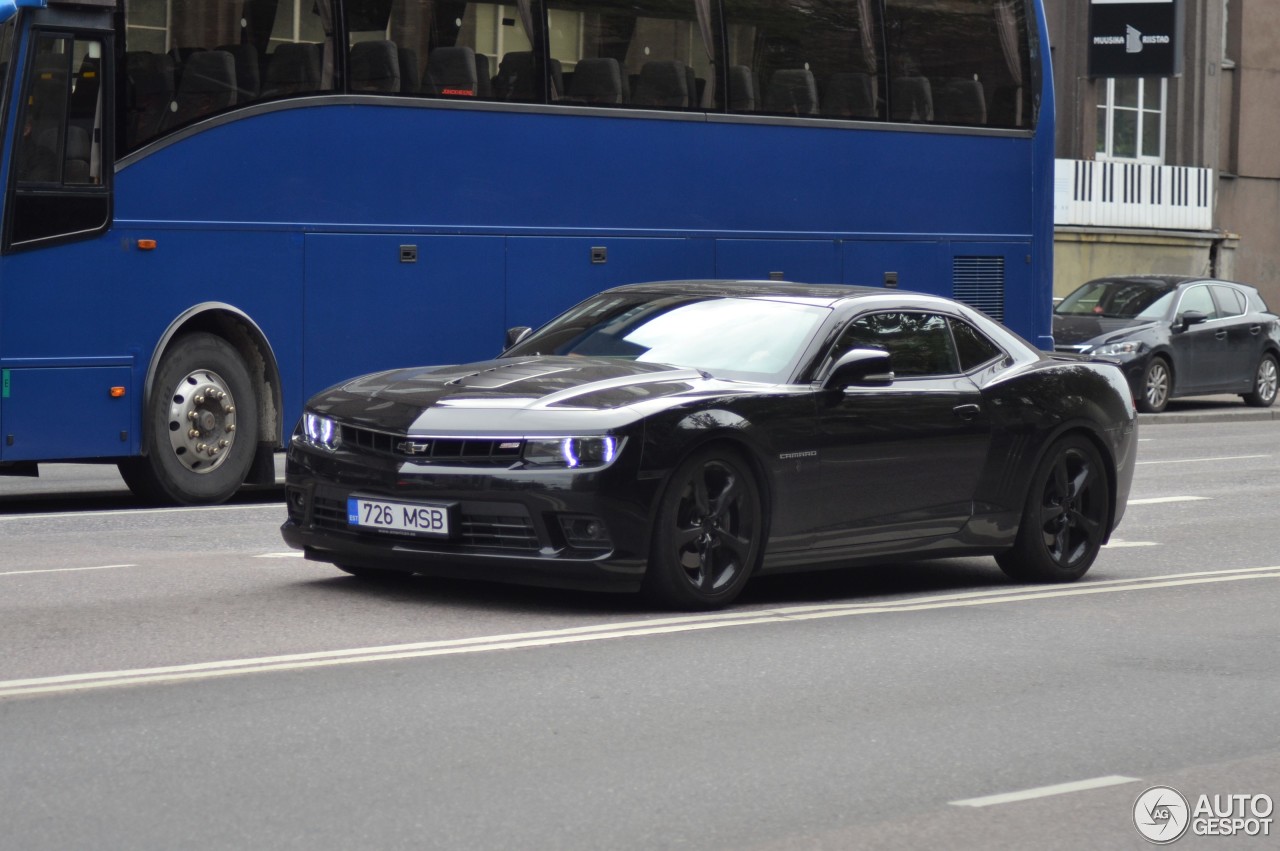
(1131, 118)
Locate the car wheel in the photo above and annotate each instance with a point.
(1264, 383)
(1065, 516)
(1157, 385)
(203, 419)
(707, 539)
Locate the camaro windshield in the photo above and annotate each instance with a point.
(1120, 299)
(754, 339)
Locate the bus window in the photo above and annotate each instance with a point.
(793, 58)
(471, 51)
(942, 68)
(655, 54)
(58, 161)
(188, 59)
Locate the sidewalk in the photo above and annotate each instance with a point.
(1209, 409)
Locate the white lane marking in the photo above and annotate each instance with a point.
(1046, 791)
(1117, 545)
(63, 569)
(138, 512)
(1195, 460)
(290, 554)
(1160, 500)
(633, 629)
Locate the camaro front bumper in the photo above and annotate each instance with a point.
(522, 526)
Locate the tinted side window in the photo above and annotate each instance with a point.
(959, 62)
(188, 59)
(60, 187)
(654, 54)
(794, 57)
(919, 343)
(1198, 298)
(973, 346)
(1230, 301)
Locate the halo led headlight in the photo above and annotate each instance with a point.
(571, 452)
(321, 431)
(1125, 347)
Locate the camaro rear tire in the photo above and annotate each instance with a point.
(1157, 386)
(1264, 383)
(708, 535)
(1065, 517)
(203, 425)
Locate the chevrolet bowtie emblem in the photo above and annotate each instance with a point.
(413, 447)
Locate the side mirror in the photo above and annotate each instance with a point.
(516, 334)
(1189, 318)
(865, 367)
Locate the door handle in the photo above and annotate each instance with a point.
(967, 412)
(1255, 329)
(1221, 335)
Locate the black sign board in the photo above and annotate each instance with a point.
(1135, 38)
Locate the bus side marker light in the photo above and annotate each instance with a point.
(147, 244)
(117, 392)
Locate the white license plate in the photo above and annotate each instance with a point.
(414, 518)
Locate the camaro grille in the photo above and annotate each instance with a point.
(501, 527)
(436, 450)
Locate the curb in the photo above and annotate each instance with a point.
(1209, 409)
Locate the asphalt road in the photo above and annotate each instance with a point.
(177, 679)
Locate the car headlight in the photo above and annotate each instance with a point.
(321, 431)
(571, 452)
(1127, 347)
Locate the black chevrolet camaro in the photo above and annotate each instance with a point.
(681, 437)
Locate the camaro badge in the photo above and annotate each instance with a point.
(788, 456)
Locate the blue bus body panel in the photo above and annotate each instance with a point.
(295, 215)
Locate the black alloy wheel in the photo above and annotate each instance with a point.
(1157, 386)
(707, 539)
(1265, 382)
(1065, 517)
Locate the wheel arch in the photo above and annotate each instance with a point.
(247, 338)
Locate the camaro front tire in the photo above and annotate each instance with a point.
(708, 535)
(1065, 517)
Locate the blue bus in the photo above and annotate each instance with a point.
(214, 208)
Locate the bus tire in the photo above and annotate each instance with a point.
(203, 418)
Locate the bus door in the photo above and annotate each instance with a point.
(61, 396)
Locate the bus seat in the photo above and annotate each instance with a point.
(742, 89)
(292, 68)
(452, 71)
(557, 78)
(151, 91)
(849, 94)
(248, 74)
(912, 99)
(374, 67)
(76, 157)
(960, 101)
(208, 85)
(792, 91)
(596, 81)
(484, 85)
(663, 83)
(517, 77)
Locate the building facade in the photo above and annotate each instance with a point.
(1173, 172)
